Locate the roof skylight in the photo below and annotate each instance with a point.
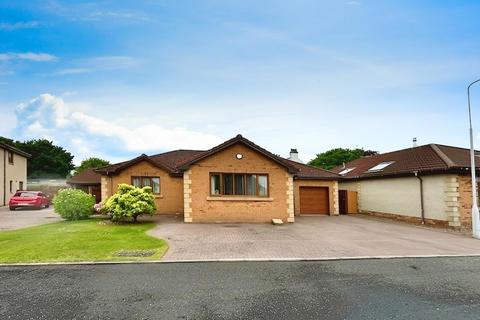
(345, 171)
(380, 166)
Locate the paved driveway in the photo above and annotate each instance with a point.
(308, 238)
(22, 218)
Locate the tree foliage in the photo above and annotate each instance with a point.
(336, 157)
(73, 204)
(130, 202)
(91, 163)
(47, 161)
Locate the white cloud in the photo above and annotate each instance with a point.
(113, 62)
(18, 25)
(48, 116)
(68, 71)
(101, 63)
(69, 93)
(31, 56)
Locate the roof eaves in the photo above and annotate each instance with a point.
(15, 150)
(126, 164)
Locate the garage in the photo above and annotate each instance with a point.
(314, 200)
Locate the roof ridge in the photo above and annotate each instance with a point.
(454, 147)
(386, 153)
(249, 143)
(442, 155)
(171, 151)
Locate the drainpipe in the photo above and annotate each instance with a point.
(421, 196)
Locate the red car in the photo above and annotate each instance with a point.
(29, 199)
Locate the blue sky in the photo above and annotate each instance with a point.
(118, 78)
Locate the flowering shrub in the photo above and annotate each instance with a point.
(130, 202)
(73, 204)
(98, 208)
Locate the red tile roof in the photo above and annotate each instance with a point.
(87, 176)
(179, 160)
(309, 172)
(431, 158)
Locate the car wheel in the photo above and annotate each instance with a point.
(47, 206)
(12, 208)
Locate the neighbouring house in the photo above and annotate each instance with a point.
(13, 171)
(430, 183)
(89, 181)
(236, 181)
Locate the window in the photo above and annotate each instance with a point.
(215, 184)
(10, 157)
(26, 194)
(20, 185)
(380, 166)
(152, 182)
(262, 186)
(345, 171)
(238, 184)
(227, 184)
(251, 184)
(11, 186)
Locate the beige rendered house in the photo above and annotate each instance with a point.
(430, 183)
(13, 172)
(236, 181)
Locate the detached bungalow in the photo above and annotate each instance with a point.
(236, 181)
(429, 183)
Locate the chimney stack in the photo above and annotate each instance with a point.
(414, 140)
(294, 156)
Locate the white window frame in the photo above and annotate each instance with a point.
(380, 166)
(346, 170)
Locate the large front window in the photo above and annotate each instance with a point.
(239, 184)
(152, 182)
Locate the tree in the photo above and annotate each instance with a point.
(91, 163)
(47, 161)
(7, 141)
(336, 157)
(130, 202)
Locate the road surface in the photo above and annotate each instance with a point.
(421, 288)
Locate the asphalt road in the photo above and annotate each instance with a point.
(433, 288)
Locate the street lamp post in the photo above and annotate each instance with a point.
(475, 211)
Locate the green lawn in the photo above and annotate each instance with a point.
(85, 240)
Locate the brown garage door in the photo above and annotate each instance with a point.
(314, 200)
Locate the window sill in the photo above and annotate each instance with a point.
(158, 196)
(227, 198)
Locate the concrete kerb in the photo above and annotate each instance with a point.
(79, 263)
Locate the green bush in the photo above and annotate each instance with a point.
(130, 202)
(73, 204)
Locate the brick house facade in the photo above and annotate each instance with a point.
(254, 185)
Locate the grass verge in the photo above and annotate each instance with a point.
(86, 240)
